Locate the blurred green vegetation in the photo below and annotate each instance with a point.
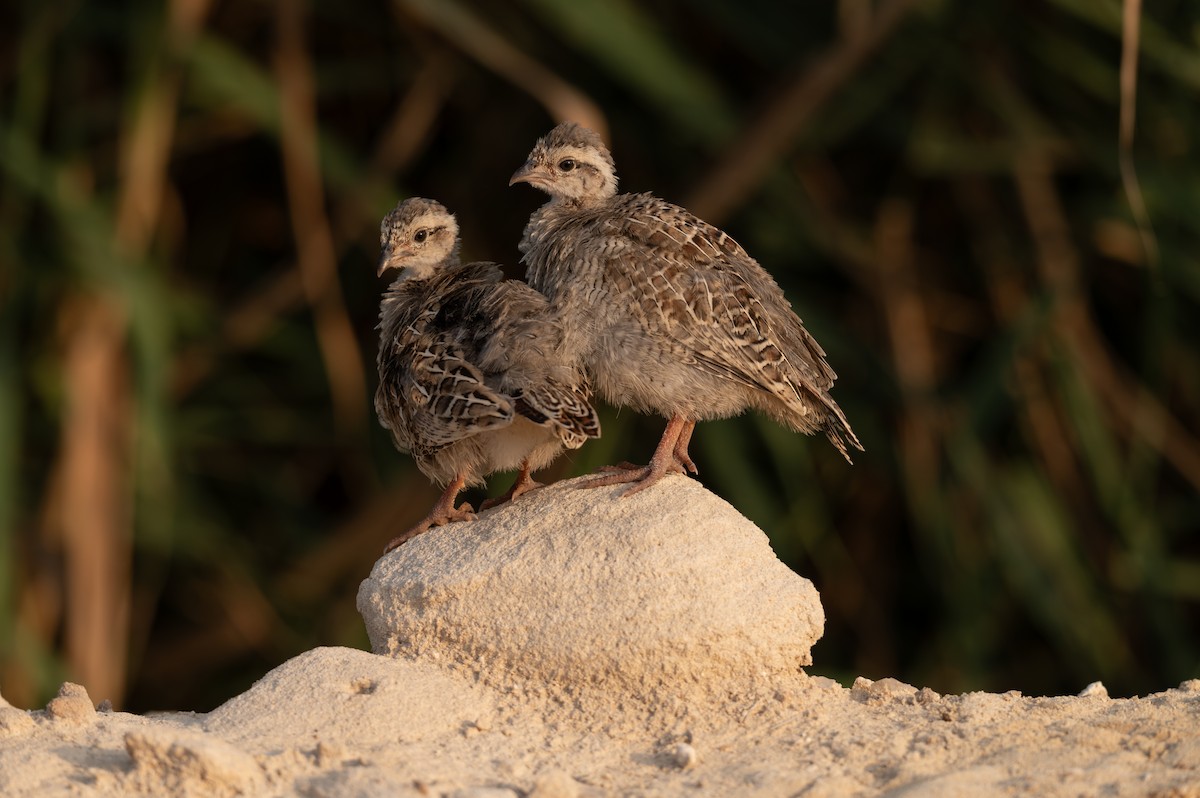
(192, 482)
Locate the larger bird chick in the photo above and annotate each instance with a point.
(668, 314)
(471, 378)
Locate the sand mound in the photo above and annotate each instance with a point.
(353, 685)
(667, 591)
(575, 645)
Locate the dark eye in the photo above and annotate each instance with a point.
(420, 236)
(566, 164)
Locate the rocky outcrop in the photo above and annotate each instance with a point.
(667, 591)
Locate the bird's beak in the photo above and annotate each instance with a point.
(526, 174)
(390, 259)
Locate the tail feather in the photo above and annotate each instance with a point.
(837, 429)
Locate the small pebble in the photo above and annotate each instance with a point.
(861, 689)
(927, 696)
(72, 690)
(1094, 690)
(363, 686)
(824, 683)
(684, 756)
(72, 703)
(864, 690)
(470, 728)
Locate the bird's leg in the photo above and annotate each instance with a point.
(443, 512)
(665, 461)
(681, 447)
(523, 485)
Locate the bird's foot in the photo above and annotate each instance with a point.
(642, 477)
(685, 463)
(670, 457)
(464, 512)
(620, 467)
(680, 450)
(519, 488)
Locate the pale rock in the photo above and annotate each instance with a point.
(668, 591)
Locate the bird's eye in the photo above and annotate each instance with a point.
(420, 236)
(566, 165)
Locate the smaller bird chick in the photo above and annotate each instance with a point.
(469, 378)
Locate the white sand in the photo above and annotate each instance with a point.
(577, 645)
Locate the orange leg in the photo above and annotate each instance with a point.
(667, 459)
(523, 485)
(444, 512)
(681, 447)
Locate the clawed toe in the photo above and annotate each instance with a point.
(616, 475)
(529, 487)
(404, 537)
(670, 457)
(642, 477)
(512, 495)
(523, 485)
(622, 466)
(464, 512)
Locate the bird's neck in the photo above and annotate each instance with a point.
(577, 204)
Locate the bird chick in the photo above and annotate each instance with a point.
(668, 314)
(470, 377)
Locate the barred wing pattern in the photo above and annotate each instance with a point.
(430, 395)
(694, 285)
(565, 406)
(471, 359)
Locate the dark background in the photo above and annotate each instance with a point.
(192, 480)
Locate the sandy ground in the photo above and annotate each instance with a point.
(576, 645)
